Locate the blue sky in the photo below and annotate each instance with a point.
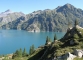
(28, 6)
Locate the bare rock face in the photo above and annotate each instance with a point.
(70, 56)
(71, 42)
(78, 52)
(67, 56)
(33, 28)
(9, 16)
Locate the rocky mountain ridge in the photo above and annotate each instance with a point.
(44, 20)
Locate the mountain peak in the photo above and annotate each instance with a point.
(5, 13)
(8, 10)
(68, 5)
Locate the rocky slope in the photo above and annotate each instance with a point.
(46, 20)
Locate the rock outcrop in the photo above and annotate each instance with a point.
(33, 28)
(78, 52)
(67, 56)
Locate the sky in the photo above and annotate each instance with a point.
(28, 6)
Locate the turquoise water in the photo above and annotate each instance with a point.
(11, 40)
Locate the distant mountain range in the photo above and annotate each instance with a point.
(46, 20)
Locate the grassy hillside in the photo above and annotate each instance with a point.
(62, 46)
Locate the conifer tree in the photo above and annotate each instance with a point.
(55, 38)
(48, 40)
(24, 53)
(20, 52)
(76, 22)
(32, 49)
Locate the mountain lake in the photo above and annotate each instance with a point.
(11, 40)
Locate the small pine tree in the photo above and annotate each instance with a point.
(32, 49)
(76, 22)
(55, 38)
(48, 40)
(24, 53)
(16, 52)
(20, 52)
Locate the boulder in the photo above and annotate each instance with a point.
(67, 56)
(78, 52)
